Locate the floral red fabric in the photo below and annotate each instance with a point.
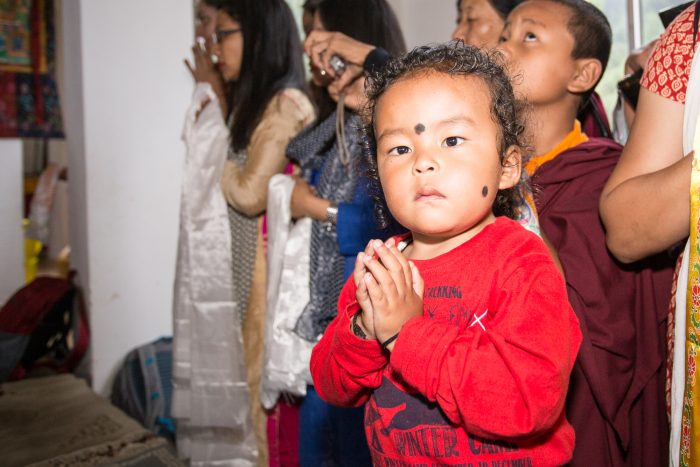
(668, 69)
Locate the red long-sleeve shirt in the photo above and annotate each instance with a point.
(481, 377)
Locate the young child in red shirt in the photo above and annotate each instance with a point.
(459, 335)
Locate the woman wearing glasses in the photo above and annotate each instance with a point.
(235, 142)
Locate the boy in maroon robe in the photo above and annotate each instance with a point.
(557, 51)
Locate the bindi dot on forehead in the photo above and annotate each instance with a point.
(419, 128)
(485, 191)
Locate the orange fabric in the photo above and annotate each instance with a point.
(574, 138)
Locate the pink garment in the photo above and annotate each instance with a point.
(283, 419)
(283, 434)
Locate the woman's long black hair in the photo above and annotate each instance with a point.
(369, 21)
(272, 61)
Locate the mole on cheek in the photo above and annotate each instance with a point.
(485, 191)
(420, 128)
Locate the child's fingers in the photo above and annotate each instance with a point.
(401, 259)
(360, 287)
(374, 290)
(381, 275)
(416, 280)
(362, 297)
(393, 267)
(369, 249)
(367, 320)
(359, 270)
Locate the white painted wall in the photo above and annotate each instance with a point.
(11, 203)
(126, 91)
(59, 234)
(425, 21)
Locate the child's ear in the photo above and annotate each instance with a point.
(511, 167)
(586, 75)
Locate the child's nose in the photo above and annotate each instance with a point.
(424, 163)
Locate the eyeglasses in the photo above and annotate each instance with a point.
(222, 34)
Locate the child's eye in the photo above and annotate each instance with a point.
(529, 37)
(399, 150)
(453, 141)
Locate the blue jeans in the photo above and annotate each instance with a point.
(331, 436)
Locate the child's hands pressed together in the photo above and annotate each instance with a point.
(366, 318)
(391, 287)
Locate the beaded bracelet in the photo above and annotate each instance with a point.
(356, 329)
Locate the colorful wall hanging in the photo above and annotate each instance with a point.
(29, 104)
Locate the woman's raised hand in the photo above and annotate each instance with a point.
(203, 70)
(320, 46)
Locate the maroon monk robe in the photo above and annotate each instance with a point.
(594, 121)
(616, 400)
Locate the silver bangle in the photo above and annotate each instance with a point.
(332, 213)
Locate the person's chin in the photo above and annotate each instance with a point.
(230, 77)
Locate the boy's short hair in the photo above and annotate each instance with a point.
(591, 32)
(453, 59)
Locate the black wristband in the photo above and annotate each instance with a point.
(389, 341)
(356, 329)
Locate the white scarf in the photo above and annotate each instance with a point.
(210, 390)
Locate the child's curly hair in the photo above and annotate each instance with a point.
(454, 59)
